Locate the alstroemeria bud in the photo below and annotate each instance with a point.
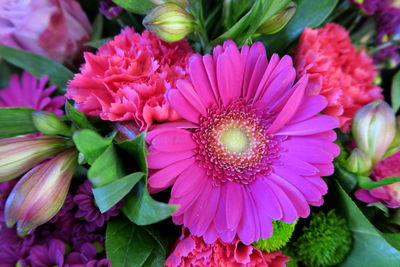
(19, 154)
(40, 193)
(374, 128)
(49, 123)
(278, 21)
(359, 162)
(170, 22)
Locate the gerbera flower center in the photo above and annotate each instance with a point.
(235, 140)
(233, 143)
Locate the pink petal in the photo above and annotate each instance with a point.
(290, 107)
(234, 204)
(317, 124)
(188, 92)
(289, 211)
(311, 106)
(158, 159)
(182, 106)
(262, 194)
(249, 227)
(173, 141)
(167, 176)
(220, 220)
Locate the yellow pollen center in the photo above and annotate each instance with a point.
(235, 140)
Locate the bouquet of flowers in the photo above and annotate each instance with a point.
(199, 133)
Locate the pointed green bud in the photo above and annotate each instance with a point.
(182, 3)
(49, 123)
(40, 193)
(170, 22)
(281, 235)
(19, 154)
(374, 127)
(359, 162)
(278, 21)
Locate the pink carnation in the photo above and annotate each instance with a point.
(128, 77)
(193, 251)
(336, 71)
(52, 28)
(251, 149)
(27, 91)
(388, 195)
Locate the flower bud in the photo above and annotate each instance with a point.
(19, 154)
(278, 21)
(40, 193)
(359, 162)
(374, 128)
(49, 123)
(182, 3)
(170, 22)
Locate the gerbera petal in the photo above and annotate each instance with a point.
(289, 211)
(171, 141)
(262, 194)
(311, 106)
(317, 124)
(221, 220)
(167, 176)
(234, 204)
(182, 106)
(187, 90)
(249, 225)
(290, 107)
(201, 81)
(158, 159)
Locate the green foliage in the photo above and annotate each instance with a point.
(347, 179)
(325, 241)
(109, 195)
(309, 13)
(260, 12)
(135, 6)
(91, 144)
(16, 121)
(129, 245)
(395, 92)
(369, 248)
(365, 182)
(281, 235)
(37, 65)
(77, 118)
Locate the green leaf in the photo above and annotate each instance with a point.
(232, 9)
(369, 247)
(393, 239)
(16, 121)
(78, 118)
(37, 65)
(98, 43)
(135, 6)
(136, 150)
(309, 13)
(365, 182)
(346, 179)
(5, 74)
(106, 168)
(97, 27)
(109, 195)
(128, 245)
(260, 12)
(395, 92)
(91, 144)
(141, 209)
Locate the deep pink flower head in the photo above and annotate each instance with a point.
(193, 251)
(336, 71)
(128, 77)
(388, 195)
(27, 91)
(252, 147)
(52, 28)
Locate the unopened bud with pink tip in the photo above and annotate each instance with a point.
(359, 162)
(40, 193)
(19, 154)
(374, 128)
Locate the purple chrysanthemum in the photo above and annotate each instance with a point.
(27, 91)
(109, 9)
(87, 207)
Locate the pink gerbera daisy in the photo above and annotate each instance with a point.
(252, 148)
(31, 93)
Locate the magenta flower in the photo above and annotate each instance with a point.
(252, 148)
(31, 93)
(388, 195)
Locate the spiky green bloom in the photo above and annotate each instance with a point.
(325, 241)
(282, 233)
